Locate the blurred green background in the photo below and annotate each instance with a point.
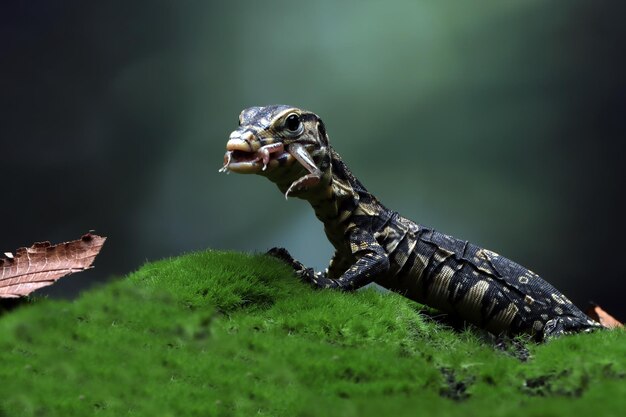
(500, 122)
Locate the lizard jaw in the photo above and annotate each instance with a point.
(242, 159)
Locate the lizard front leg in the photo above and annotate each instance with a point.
(304, 273)
(284, 255)
(371, 261)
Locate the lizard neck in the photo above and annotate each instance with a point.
(338, 195)
(341, 202)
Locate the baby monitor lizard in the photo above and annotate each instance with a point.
(372, 243)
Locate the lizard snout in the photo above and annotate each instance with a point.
(242, 141)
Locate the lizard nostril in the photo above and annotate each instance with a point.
(247, 136)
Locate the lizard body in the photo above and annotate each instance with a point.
(372, 243)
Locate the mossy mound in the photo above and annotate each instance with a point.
(228, 334)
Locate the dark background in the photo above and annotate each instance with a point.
(498, 122)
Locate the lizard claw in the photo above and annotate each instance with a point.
(284, 255)
(304, 274)
(280, 253)
(307, 275)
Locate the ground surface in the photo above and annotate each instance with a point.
(228, 334)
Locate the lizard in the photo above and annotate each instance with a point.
(290, 146)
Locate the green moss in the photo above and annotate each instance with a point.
(228, 334)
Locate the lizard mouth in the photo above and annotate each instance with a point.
(240, 157)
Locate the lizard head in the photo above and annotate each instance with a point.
(283, 143)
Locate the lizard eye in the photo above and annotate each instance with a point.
(292, 122)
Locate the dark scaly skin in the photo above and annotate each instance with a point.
(375, 244)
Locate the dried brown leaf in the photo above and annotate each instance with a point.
(602, 317)
(43, 264)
